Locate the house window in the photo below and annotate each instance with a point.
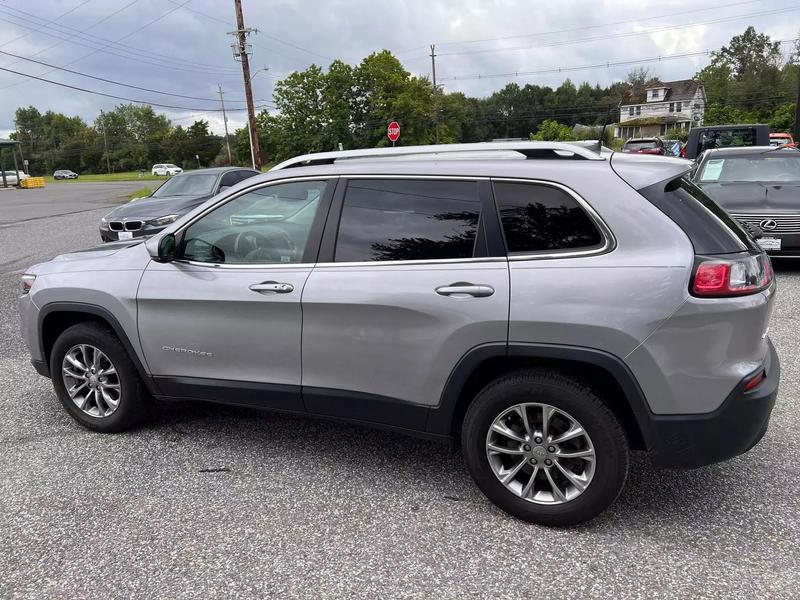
(671, 107)
(630, 111)
(678, 108)
(656, 93)
(638, 110)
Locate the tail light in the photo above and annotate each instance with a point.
(738, 276)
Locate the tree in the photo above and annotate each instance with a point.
(553, 131)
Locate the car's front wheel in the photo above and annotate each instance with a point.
(95, 379)
(545, 448)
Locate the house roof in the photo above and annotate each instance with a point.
(680, 90)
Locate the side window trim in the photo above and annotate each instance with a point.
(327, 252)
(609, 241)
(314, 236)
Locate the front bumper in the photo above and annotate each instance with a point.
(689, 441)
(107, 235)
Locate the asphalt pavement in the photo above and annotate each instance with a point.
(211, 502)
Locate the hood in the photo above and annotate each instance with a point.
(150, 208)
(114, 256)
(101, 251)
(756, 196)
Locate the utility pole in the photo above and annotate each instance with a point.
(240, 52)
(435, 91)
(105, 142)
(225, 121)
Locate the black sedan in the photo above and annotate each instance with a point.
(175, 198)
(760, 187)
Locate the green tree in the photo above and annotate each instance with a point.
(553, 131)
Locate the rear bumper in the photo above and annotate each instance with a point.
(689, 441)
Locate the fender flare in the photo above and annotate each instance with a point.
(440, 418)
(108, 317)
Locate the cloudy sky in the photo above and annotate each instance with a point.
(181, 46)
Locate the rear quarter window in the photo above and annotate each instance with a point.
(710, 229)
(540, 218)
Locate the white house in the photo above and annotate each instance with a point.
(665, 105)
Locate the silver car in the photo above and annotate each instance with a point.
(548, 307)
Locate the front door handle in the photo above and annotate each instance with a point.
(462, 289)
(272, 287)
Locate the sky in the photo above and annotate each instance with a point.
(182, 46)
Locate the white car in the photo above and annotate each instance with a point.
(11, 177)
(167, 169)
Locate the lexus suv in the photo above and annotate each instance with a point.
(547, 306)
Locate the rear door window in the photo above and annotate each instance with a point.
(406, 219)
(540, 218)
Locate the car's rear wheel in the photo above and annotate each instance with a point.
(545, 448)
(95, 379)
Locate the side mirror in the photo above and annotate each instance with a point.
(167, 248)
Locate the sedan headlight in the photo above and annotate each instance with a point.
(103, 221)
(26, 282)
(165, 220)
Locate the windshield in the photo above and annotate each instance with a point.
(770, 166)
(187, 185)
(645, 145)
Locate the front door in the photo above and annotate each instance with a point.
(223, 322)
(410, 289)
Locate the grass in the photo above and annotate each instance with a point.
(100, 177)
(141, 193)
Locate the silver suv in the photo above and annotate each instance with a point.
(549, 307)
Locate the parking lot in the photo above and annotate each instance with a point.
(207, 501)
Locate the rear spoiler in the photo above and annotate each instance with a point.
(642, 170)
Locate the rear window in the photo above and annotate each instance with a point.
(768, 166)
(710, 229)
(649, 145)
(538, 218)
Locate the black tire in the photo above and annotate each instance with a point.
(134, 399)
(548, 387)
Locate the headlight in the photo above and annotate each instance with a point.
(165, 220)
(103, 221)
(26, 282)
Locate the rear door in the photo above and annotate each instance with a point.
(408, 282)
(224, 321)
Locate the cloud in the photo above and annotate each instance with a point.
(187, 51)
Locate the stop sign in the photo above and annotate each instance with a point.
(393, 131)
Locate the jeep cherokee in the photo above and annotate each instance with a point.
(547, 306)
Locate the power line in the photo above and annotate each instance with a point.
(96, 93)
(47, 23)
(272, 37)
(622, 35)
(138, 29)
(130, 54)
(127, 85)
(605, 65)
(72, 31)
(585, 27)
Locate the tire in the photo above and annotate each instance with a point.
(539, 390)
(133, 399)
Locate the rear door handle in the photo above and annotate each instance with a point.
(272, 287)
(462, 289)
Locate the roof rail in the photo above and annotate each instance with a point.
(484, 150)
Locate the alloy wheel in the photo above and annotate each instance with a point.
(91, 380)
(540, 453)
